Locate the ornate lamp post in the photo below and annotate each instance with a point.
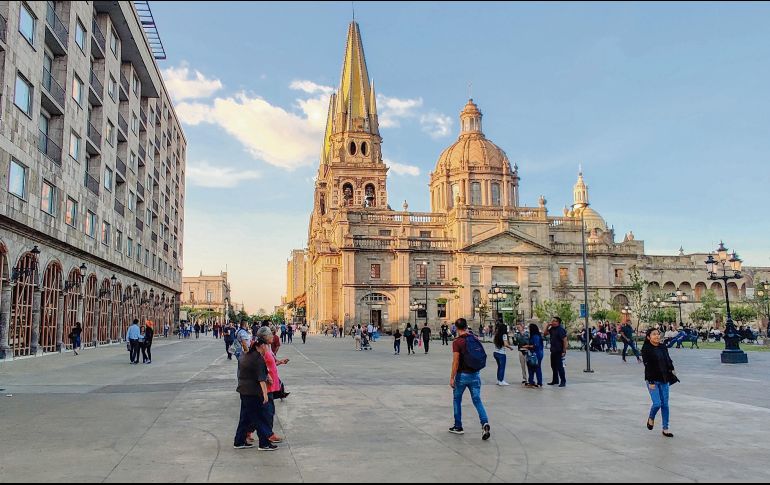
(727, 267)
(496, 294)
(679, 299)
(763, 294)
(425, 265)
(626, 311)
(416, 307)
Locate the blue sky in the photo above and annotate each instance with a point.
(666, 106)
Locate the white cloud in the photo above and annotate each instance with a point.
(193, 113)
(183, 83)
(392, 109)
(310, 87)
(203, 174)
(437, 125)
(402, 169)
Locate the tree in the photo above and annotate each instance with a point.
(709, 305)
(663, 315)
(637, 295)
(563, 309)
(483, 310)
(742, 313)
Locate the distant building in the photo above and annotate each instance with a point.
(205, 292)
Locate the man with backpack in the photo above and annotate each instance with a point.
(469, 358)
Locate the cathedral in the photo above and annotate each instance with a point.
(367, 262)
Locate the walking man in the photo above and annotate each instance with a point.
(303, 331)
(468, 360)
(197, 330)
(229, 337)
(132, 336)
(426, 337)
(627, 336)
(445, 334)
(558, 351)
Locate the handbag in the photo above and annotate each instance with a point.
(532, 359)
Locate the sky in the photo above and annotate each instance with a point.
(665, 105)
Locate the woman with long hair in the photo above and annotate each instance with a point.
(501, 343)
(75, 337)
(659, 375)
(535, 348)
(409, 336)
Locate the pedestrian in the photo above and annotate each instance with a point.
(627, 336)
(166, 328)
(409, 336)
(535, 348)
(659, 375)
(242, 341)
(358, 335)
(303, 331)
(425, 334)
(481, 332)
(558, 337)
(397, 342)
(275, 345)
(290, 333)
(267, 335)
(197, 328)
(522, 340)
(229, 337)
(444, 334)
(370, 331)
(147, 345)
(252, 387)
(468, 360)
(501, 344)
(132, 337)
(453, 331)
(74, 336)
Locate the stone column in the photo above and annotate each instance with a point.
(36, 300)
(5, 322)
(60, 324)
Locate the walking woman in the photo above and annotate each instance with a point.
(409, 336)
(147, 346)
(501, 343)
(659, 375)
(535, 356)
(75, 337)
(397, 342)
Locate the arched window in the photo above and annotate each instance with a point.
(50, 307)
(89, 310)
(347, 194)
(20, 331)
(496, 194)
(71, 300)
(371, 198)
(475, 193)
(352, 148)
(117, 313)
(455, 194)
(364, 149)
(105, 302)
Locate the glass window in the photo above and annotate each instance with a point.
(581, 274)
(135, 84)
(129, 247)
(77, 90)
(442, 310)
(47, 198)
(132, 161)
(72, 212)
(475, 193)
(146, 257)
(17, 179)
(27, 24)
(22, 96)
(118, 240)
(375, 271)
(442, 271)
(564, 275)
(91, 225)
(80, 35)
(110, 133)
(112, 88)
(422, 271)
(139, 252)
(108, 178)
(455, 194)
(134, 123)
(496, 194)
(74, 146)
(114, 42)
(131, 201)
(106, 233)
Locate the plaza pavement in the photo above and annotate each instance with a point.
(373, 417)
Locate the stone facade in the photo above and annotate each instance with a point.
(367, 262)
(92, 165)
(208, 293)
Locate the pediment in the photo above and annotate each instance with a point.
(507, 242)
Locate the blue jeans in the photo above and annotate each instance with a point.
(254, 415)
(500, 359)
(626, 345)
(536, 371)
(659, 395)
(473, 383)
(613, 342)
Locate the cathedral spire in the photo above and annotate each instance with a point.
(580, 191)
(356, 109)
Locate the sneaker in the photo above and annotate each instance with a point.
(551, 383)
(503, 383)
(456, 430)
(275, 439)
(486, 431)
(270, 447)
(563, 384)
(244, 446)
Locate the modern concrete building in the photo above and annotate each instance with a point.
(295, 283)
(205, 292)
(92, 165)
(367, 262)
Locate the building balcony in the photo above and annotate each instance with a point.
(98, 42)
(143, 117)
(120, 165)
(94, 138)
(56, 33)
(156, 173)
(54, 94)
(3, 29)
(139, 225)
(140, 189)
(124, 86)
(154, 237)
(120, 208)
(92, 184)
(49, 148)
(157, 142)
(142, 153)
(96, 92)
(123, 127)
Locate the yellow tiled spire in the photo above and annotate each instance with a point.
(356, 104)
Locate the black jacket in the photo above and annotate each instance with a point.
(148, 333)
(658, 366)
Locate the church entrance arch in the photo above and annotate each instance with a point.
(374, 308)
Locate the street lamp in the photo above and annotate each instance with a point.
(764, 296)
(416, 307)
(585, 280)
(679, 298)
(497, 294)
(626, 311)
(425, 265)
(723, 263)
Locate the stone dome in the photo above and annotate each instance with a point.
(472, 148)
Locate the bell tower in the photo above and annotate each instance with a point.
(351, 173)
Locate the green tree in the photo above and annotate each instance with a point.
(483, 310)
(547, 309)
(663, 315)
(742, 313)
(638, 301)
(709, 305)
